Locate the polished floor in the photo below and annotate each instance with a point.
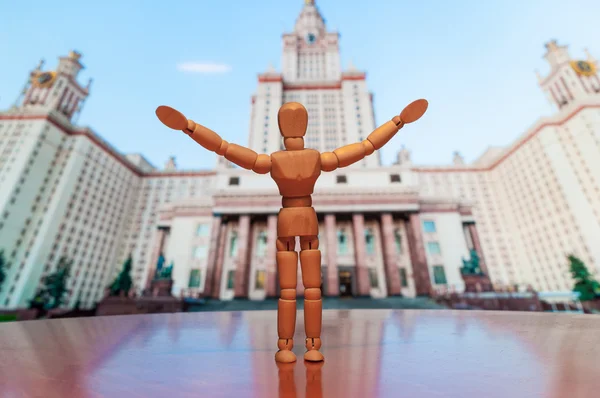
(369, 353)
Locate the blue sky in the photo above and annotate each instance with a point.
(473, 60)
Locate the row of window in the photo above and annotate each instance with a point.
(201, 252)
(342, 246)
(195, 279)
(339, 179)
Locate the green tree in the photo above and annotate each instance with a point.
(54, 287)
(40, 300)
(587, 287)
(56, 282)
(3, 266)
(123, 281)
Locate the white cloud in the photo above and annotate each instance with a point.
(203, 67)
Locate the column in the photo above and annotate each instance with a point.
(212, 256)
(417, 255)
(220, 258)
(159, 242)
(477, 246)
(390, 257)
(360, 255)
(271, 263)
(333, 287)
(243, 260)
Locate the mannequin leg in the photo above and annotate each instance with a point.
(287, 267)
(310, 260)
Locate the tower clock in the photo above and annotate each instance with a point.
(583, 68)
(43, 79)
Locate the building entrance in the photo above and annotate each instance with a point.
(345, 280)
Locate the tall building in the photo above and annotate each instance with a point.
(339, 102)
(538, 199)
(65, 191)
(384, 230)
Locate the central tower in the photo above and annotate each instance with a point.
(310, 53)
(339, 104)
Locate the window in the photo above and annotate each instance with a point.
(230, 279)
(398, 241)
(234, 180)
(194, 278)
(429, 226)
(202, 230)
(342, 242)
(200, 252)
(259, 284)
(394, 177)
(341, 179)
(373, 277)
(233, 244)
(439, 275)
(370, 241)
(403, 278)
(433, 248)
(261, 243)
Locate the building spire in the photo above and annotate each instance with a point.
(552, 46)
(309, 2)
(589, 56)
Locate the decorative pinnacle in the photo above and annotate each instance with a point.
(552, 45)
(589, 56)
(75, 55)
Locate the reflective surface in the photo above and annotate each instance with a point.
(368, 353)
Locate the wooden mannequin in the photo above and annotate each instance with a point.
(295, 171)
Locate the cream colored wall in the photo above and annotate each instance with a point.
(539, 204)
(480, 189)
(61, 209)
(453, 247)
(267, 101)
(141, 225)
(180, 249)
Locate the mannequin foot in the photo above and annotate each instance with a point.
(285, 356)
(313, 356)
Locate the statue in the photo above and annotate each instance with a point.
(159, 265)
(295, 171)
(162, 283)
(471, 267)
(167, 272)
(163, 273)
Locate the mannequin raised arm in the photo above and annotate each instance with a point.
(242, 156)
(352, 153)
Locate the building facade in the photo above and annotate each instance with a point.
(538, 199)
(384, 230)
